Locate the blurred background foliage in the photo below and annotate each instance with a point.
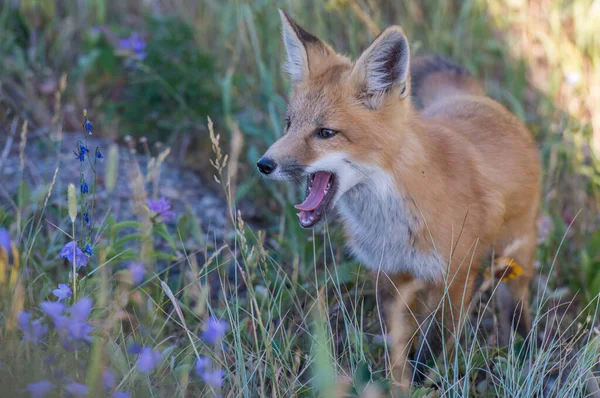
(157, 68)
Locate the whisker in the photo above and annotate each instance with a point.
(356, 167)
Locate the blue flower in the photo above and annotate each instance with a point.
(63, 292)
(137, 271)
(84, 187)
(86, 217)
(88, 126)
(39, 389)
(213, 378)
(78, 328)
(88, 250)
(77, 389)
(215, 330)
(82, 151)
(61, 324)
(134, 43)
(74, 328)
(53, 309)
(32, 330)
(5, 240)
(148, 360)
(121, 394)
(108, 379)
(161, 208)
(99, 154)
(71, 250)
(80, 311)
(135, 348)
(202, 365)
(79, 331)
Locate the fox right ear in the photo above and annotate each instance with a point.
(383, 68)
(297, 42)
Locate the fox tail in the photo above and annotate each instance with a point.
(433, 77)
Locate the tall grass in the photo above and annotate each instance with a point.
(302, 317)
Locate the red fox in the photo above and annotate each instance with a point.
(426, 172)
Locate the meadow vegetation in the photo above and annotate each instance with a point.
(111, 285)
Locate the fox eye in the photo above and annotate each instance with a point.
(326, 133)
(288, 123)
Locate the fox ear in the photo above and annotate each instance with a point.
(297, 42)
(383, 68)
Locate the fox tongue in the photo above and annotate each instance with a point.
(317, 192)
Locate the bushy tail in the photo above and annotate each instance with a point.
(434, 77)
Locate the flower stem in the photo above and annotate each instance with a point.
(91, 225)
(74, 265)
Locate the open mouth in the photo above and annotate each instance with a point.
(320, 189)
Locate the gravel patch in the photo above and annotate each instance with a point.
(183, 187)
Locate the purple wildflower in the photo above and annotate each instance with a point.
(88, 250)
(137, 271)
(134, 43)
(81, 310)
(75, 329)
(53, 309)
(38, 330)
(80, 331)
(82, 151)
(86, 217)
(161, 208)
(23, 320)
(99, 154)
(77, 389)
(88, 126)
(108, 379)
(148, 360)
(135, 348)
(67, 252)
(61, 324)
(121, 394)
(39, 389)
(32, 330)
(84, 187)
(63, 292)
(5, 240)
(215, 330)
(213, 378)
(202, 365)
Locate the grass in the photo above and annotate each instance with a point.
(303, 317)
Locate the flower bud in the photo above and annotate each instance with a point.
(72, 202)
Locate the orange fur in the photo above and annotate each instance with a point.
(465, 167)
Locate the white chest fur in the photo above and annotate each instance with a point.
(383, 232)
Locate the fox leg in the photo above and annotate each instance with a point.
(449, 306)
(401, 327)
(431, 345)
(514, 310)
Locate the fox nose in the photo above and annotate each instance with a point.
(266, 165)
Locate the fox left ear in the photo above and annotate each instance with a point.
(299, 45)
(383, 68)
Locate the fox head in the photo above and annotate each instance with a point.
(343, 117)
